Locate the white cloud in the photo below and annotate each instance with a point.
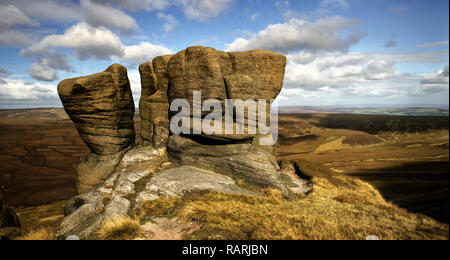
(438, 78)
(203, 10)
(324, 34)
(11, 16)
(171, 23)
(20, 91)
(15, 38)
(361, 78)
(54, 10)
(46, 66)
(336, 70)
(100, 15)
(41, 72)
(432, 44)
(88, 43)
(143, 52)
(66, 11)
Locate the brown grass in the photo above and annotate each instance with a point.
(339, 208)
(40, 233)
(361, 139)
(120, 228)
(160, 207)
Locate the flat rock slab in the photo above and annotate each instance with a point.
(178, 181)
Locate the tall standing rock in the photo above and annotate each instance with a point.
(102, 108)
(253, 75)
(257, 74)
(154, 103)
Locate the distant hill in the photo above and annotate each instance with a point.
(408, 111)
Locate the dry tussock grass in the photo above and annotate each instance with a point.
(340, 208)
(40, 233)
(119, 228)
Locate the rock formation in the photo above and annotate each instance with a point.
(102, 108)
(154, 104)
(116, 179)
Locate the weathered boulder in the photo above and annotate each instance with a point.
(94, 170)
(102, 108)
(85, 214)
(241, 160)
(257, 74)
(154, 103)
(219, 75)
(175, 182)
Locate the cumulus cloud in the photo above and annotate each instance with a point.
(65, 11)
(438, 78)
(336, 70)
(12, 16)
(41, 72)
(87, 42)
(15, 38)
(100, 15)
(322, 35)
(143, 52)
(46, 65)
(352, 78)
(203, 10)
(19, 93)
(171, 23)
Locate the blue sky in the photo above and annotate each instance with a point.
(340, 52)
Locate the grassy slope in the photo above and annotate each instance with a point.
(338, 208)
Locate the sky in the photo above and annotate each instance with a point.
(386, 53)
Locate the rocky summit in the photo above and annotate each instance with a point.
(118, 177)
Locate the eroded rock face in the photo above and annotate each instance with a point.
(102, 108)
(116, 179)
(257, 74)
(219, 75)
(241, 161)
(154, 103)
